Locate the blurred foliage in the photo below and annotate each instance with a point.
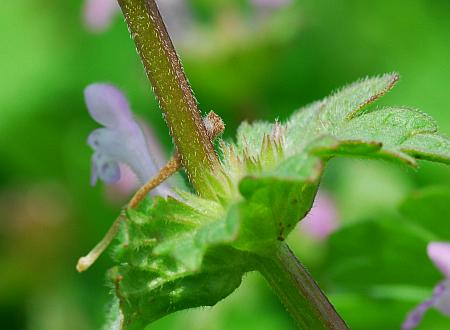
(49, 215)
(393, 272)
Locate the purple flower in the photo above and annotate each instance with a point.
(439, 253)
(98, 14)
(120, 191)
(270, 3)
(322, 220)
(121, 140)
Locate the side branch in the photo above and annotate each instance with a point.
(214, 127)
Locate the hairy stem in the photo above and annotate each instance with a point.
(298, 291)
(173, 92)
(172, 166)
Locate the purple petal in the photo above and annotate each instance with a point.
(442, 303)
(128, 183)
(124, 145)
(178, 18)
(154, 147)
(105, 168)
(121, 141)
(441, 294)
(94, 175)
(98, 14)
(270, 3)
(322, 220)
(439, 253)
(121, 190)
(107, 105)
(416, 315)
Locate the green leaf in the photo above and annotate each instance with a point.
(321, 117)
(432, 147)
(271, 209)
(399, 132)
(275, 201)
(175, 256)
(378, 252)
(250, 136)
(384, 249)
(362, 312)
(190, 251)
(283, 163)
(429, 211)
(383, 260)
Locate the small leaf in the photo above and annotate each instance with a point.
(271, 210)
(250, 136)
(274, 202)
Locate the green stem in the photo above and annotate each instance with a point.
(298, 291)
(173, 92)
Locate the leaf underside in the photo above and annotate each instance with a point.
(178, 254)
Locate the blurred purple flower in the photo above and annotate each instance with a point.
(118, 192)
(270, 3)
(98, 14)
(439, 253)
(128, 183)
(121, 141)
(322, 220)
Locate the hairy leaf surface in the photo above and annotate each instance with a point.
(190, 252)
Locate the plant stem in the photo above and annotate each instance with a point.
(298, 291)
(173, 92)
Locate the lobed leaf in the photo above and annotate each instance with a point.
(176, 257)
(433, 147)
(401, 133)
(191, 252)
(321, 117)
(339, 125)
